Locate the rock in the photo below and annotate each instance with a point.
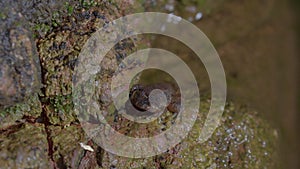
(242, 139)
(24, 146)
(66, 148)
(19, 62)
(30, 110)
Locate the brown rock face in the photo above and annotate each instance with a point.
(19, 70)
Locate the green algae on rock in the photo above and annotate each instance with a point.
(24, 146)
(66, 149)
(242, 140)
(28, 110)
(59, 50)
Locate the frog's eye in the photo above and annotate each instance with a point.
(134, 88)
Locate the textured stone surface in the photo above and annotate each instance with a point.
(44, 132)
(19, 63)
(24, 146)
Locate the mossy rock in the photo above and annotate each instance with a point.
(51, 136)
(242, 140)
(24, 146)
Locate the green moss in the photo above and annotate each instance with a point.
(31, 107)
(2, 15)
(242, 140)
(66, 144)
(69, 8)
(42, 28)
(24, 147)
(60, 110)
(62, 103)
(88, 3)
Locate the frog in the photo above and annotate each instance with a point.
(139, 96)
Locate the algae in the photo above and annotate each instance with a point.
(243, 139)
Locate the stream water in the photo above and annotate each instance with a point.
(257, 47)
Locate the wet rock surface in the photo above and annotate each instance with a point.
(43, 132)
(24, 146)
(242, 140)
(19, 63)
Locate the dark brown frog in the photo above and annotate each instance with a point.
(139, 96)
